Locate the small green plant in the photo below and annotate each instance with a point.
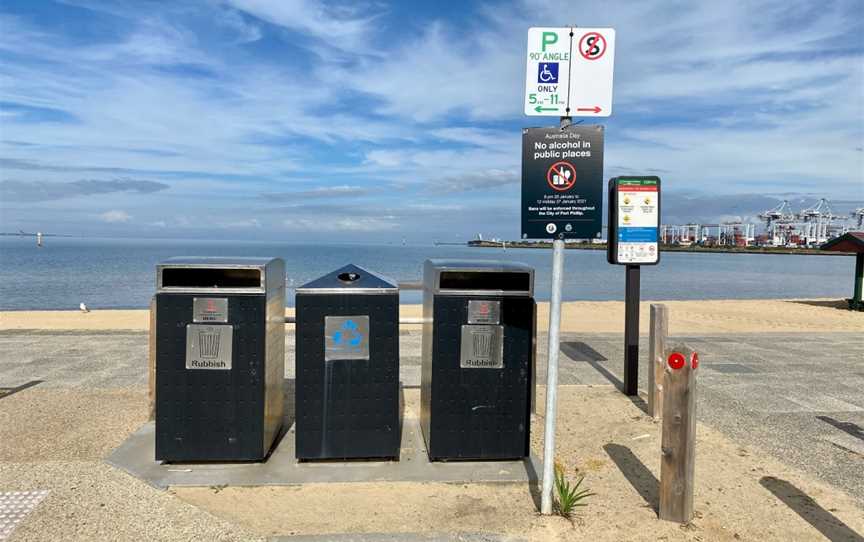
(567, 497)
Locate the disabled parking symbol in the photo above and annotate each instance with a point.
(547, 72)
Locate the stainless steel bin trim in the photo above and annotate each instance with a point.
(435, 267)
(385, 284)
(270, 269)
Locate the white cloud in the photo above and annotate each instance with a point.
(730, 98)
(115, 216)
(471, 71)
(243, 224)
(346, 27)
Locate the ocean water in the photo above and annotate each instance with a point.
(120, 273)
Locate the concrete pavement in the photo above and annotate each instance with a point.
(796, 396)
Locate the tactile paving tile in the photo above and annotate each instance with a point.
(14, 507)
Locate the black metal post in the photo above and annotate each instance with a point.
(857, 301)
(631, 332)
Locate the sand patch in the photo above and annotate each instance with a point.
(687, 317)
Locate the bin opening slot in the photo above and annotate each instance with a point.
(348, 277)
(202, 277)
(485, 280)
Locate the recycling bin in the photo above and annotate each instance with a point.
(347, 367)
(478, 357)
(220, 355)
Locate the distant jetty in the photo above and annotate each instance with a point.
(663, 248)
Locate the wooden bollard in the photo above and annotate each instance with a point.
(151, 364)
(659, 331)
(678, 459)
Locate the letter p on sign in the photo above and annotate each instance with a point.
(547, 38)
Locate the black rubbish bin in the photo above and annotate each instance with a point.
(347, 366)
(220, 355)
(478, 359)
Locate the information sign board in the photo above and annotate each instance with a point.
(634, 220)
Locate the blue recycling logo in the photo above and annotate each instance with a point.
(348, 335)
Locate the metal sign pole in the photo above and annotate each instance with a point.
(631, 331)
(552, 368)
(552, 375)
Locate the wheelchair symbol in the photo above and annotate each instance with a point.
(547, 72)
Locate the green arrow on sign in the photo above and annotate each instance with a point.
(540, 109)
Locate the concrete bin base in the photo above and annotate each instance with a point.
(135, 456)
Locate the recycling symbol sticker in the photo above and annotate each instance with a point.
(348, 335)
(346, 338)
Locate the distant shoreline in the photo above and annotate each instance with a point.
(663, 248)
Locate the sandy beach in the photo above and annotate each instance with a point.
(752, 484)
(712, 316)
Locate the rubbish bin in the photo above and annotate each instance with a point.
(478, 359)
(220, 355)
(347, 366)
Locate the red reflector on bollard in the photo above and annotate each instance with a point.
(694, 360)
(676, 360)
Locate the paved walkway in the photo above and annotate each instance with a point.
(796, 396)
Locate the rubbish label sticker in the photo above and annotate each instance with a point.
(346, 337)
(484, 311)
(209, 309)
(482, 347)
(208, 347)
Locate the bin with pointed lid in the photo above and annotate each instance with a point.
(347, 366)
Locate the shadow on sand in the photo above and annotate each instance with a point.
(802, 504)
(830, 303)
(642, 479)
(579, 351)
(582, 352)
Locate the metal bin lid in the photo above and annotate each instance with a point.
(195, 274)
(351, 279)
(478, 277)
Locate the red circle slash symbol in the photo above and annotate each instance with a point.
(676, 360)
(561, 176)
(694, 360)
(592, 46)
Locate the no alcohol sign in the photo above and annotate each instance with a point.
(562, 182)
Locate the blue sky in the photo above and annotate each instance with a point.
(307, 120)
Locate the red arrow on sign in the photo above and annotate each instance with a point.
(595, 109)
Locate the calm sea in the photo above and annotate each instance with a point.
(119, 273)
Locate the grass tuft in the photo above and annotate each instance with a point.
(568, 497)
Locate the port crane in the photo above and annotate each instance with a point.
(784, 227)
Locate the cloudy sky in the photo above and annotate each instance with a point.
(311, 120)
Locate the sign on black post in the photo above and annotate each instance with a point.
(632, 240)
(562, 182)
